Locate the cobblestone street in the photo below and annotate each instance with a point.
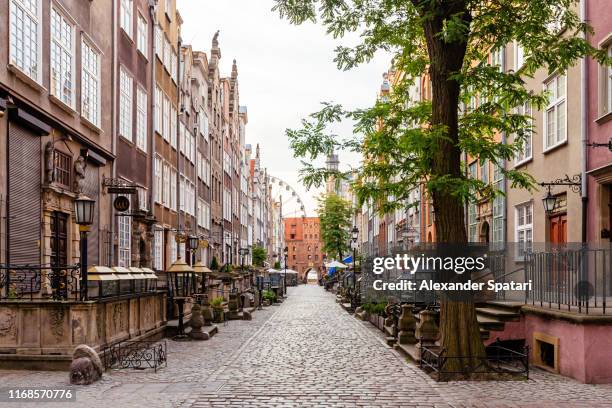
(306, 352)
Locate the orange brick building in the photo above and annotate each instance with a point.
(303, 238)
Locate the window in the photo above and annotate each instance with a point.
(472, 223)
(524, 227)
(25, 36)
(173, 189)
(555, 117)
(173, 117)
(125, 240)
(173, 248)
(143, 35)
(519, 56)
(166, 119)
(608, 83)
(497, 57)
(182, 192)
(484, 171)
(173, 66)
(143, 202)
(62, 165)
(158, 110)
(62, 63)
(167, 54)
(90, 84)
(498, 205)
(472, 172)
(168, 9)
(159, 43)
(525, 137)
(141, 119)
(166, 195)
(125, 105)
(158, 248)
(158, 179)
(126, 16)
(193, 148)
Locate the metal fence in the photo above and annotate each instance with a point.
(39, 282)
(138, 355)
(578, 280)
(571, 277)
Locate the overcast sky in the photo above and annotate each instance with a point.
(284, 73)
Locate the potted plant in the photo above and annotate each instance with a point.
(269, 297)
(217, 306)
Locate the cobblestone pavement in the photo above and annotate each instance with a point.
(306, 352)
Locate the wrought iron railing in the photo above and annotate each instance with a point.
(576, 280)
(34, 282)
(139, 355)
(498, 360)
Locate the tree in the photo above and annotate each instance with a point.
(335, 221)
(406, 142)
(259, 255)
(214, 264)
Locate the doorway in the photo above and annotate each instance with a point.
(558, 229)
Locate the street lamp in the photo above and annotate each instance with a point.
(84, 211)
(286, 254)
(549, 202)
(354, 236)
(180, 269)
(194, 243)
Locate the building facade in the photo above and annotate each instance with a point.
(304, 243)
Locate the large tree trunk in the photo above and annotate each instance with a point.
(459, 330)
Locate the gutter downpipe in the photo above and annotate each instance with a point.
(114, 125)
(153, 13)
(584, 130)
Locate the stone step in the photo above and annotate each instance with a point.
(504, 304)
(490, 323)
(484, 334)
(409, 350)
(502, 314)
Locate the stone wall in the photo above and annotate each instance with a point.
(43, 334)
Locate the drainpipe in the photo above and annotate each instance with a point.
(153, 13)
(504, 140)
(113, 126)
(583, 125)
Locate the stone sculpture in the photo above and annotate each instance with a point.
(86, 367)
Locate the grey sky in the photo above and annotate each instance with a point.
(284, 73)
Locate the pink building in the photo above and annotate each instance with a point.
(599, 122)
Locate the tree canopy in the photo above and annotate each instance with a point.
(335, 221)
(259, 255)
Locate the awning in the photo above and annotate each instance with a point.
(101, 273)
(122, 273)
(149, 273)
(137, 273)
(348, 260)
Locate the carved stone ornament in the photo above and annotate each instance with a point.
(8, 325)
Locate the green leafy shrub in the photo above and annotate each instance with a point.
(217, 302)
(375, 308)
(269, 295)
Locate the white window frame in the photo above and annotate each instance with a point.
(159, 42)
(173, 189)
(57, 82)
(126, 17)
(608, 70)
(141, 118)
(522, 231)
(519, 56)
(143, 200)
(159, 97)
(166, 190)
(126, 94)
(142, 38)
(17, 49)
(158, 248)
(556, 104)
(166, 118)
(124, 229)
(90, 82)
(159, 179)
(173, 119)
(521, 157)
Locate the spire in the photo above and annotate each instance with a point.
(215, 51)
(234, 70)
(257, 151)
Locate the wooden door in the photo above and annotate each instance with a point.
(558, 229)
